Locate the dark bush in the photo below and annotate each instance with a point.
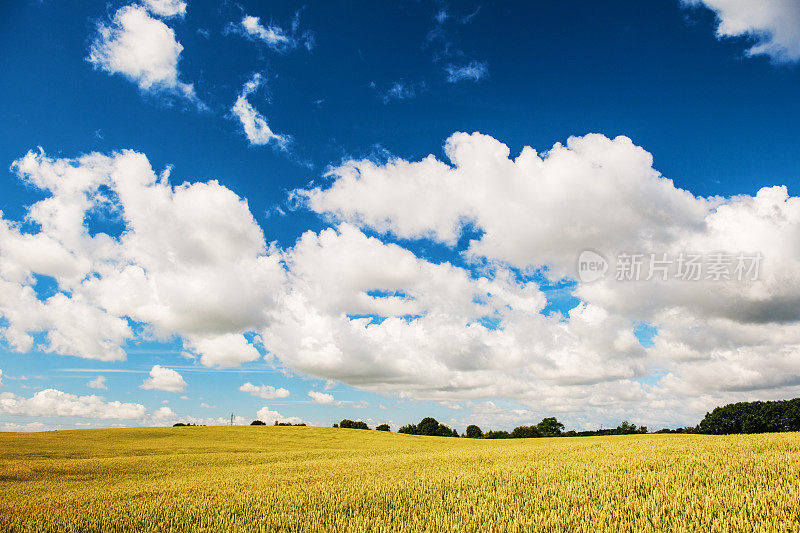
(429, 426)
(257, 423)
(349, 424)
(383, 427)
(525, 432)
(497, 435)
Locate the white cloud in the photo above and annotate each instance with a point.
(224, 351)
(341, 305)
(52, 402)
(254, 124)
(774, 25)
(30, 426)
(268, 392)
(402, 90)
(165, 379)
(272, 35)
(270, 417)
(191, 262)
(472, 71)
(527, 207)
(373, 315)
(714, 340)
(321, 397)
(142, 49)
(98, 383)
(164, 413)
(166, 8)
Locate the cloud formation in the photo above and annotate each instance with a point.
(143, 49)
(322, 398)
(164, 379)
(98, 383)
(166, 8)
(472, 71)
(268, 392)
(714, 338)
(253, 123)
(52, 402)
(343, 304)
(773, 25)
(191, 262)
(272, 35)
(270, 417)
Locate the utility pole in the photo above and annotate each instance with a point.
(231, 418)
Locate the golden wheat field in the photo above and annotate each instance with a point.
(325, 479)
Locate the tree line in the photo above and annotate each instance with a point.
(741, 417)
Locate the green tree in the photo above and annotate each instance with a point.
(383, 427)
(525, 432)
(474, 432)
(550, 427)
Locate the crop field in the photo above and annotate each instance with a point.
(325, 479)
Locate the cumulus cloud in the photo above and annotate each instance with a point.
(166, 8)
(270, 417)
(268, 392)
(164, 379)
(773, 25)
(342, 304)
(52, 402)
(527, 208)
(142, 49)
(472, 71)
(714, 338)
(191, 262)
(98, 383)
(321, 397)
(253, 123)
(164, 413)
(374, 315)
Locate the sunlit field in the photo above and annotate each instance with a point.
(311, 479)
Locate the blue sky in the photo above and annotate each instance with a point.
(362, 86)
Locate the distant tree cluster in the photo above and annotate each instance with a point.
(350, 424)
(687, 429)
(429, 426)
(262, 423)
(625, 428)
(743, 417)
(548, 427)
(752, 417)
(182, 425)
